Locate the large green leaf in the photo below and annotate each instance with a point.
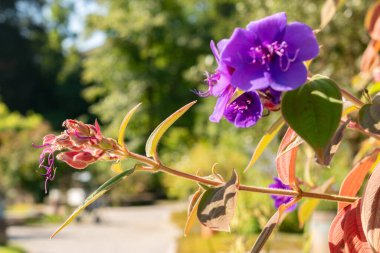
(313, 111)
(94, 196)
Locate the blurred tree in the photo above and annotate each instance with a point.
(36, 73)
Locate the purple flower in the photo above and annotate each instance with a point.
(219, 84)
(245, 110)
(279, 200)
(270, 98)
(269, 53)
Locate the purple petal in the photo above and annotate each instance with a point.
(235, 52)
(221, 104)
(250, 77)
(301, 41)
(215, 51)
(222, 44)
(290, 79)
(245, 110)
(269, 29)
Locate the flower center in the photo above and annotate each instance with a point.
(265, 53)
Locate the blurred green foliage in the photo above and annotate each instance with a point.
(155, 52)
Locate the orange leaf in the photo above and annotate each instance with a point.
(286, 158)
(355, 178)
(371, 22)
(370, 209)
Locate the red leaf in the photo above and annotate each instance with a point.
(355, 178)
(336, 233)
(370, 209)
(346, 233)
(286, 157)
(354, 238)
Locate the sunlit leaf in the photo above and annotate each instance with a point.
(217, 205)
(265, 140)
(355, 178)
(370, 209)
(270, 226)
(155, 136)
(286, 158)
(192, 211)
(124, 124)
(354, 238)
(328, 11)
(94, 196)
(346, 232)
(313, 111)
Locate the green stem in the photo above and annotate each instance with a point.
(156, 165)
(351, 97)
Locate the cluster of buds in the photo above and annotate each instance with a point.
(80, 145)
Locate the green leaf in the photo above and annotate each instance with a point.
(124, 124)
(265, 140)
(155, 136)
(369, 116)
(217, 205)
(313, 111)
(94, 196)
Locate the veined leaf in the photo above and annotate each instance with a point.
(265, 140)
(355, 178)
(269, 227)
(354, 238)
(370, 210)
(346, 232)
(94, 196)
(313, 111)
(155, 136)
(217, 205)
(124, 124)
(286, 158)
(192, 211)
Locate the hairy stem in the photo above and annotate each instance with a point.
(247, 188)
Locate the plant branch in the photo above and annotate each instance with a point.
(247, 188)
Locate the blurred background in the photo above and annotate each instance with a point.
(88, 59)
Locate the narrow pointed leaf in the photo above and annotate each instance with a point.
(217, 205)
(286, 158)
(370, 210)
(270, 226)
(192, 211)
(313, 111)
(265, 140)
(94, 196)
(355, 178)
(155, 136)
(124, 124)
